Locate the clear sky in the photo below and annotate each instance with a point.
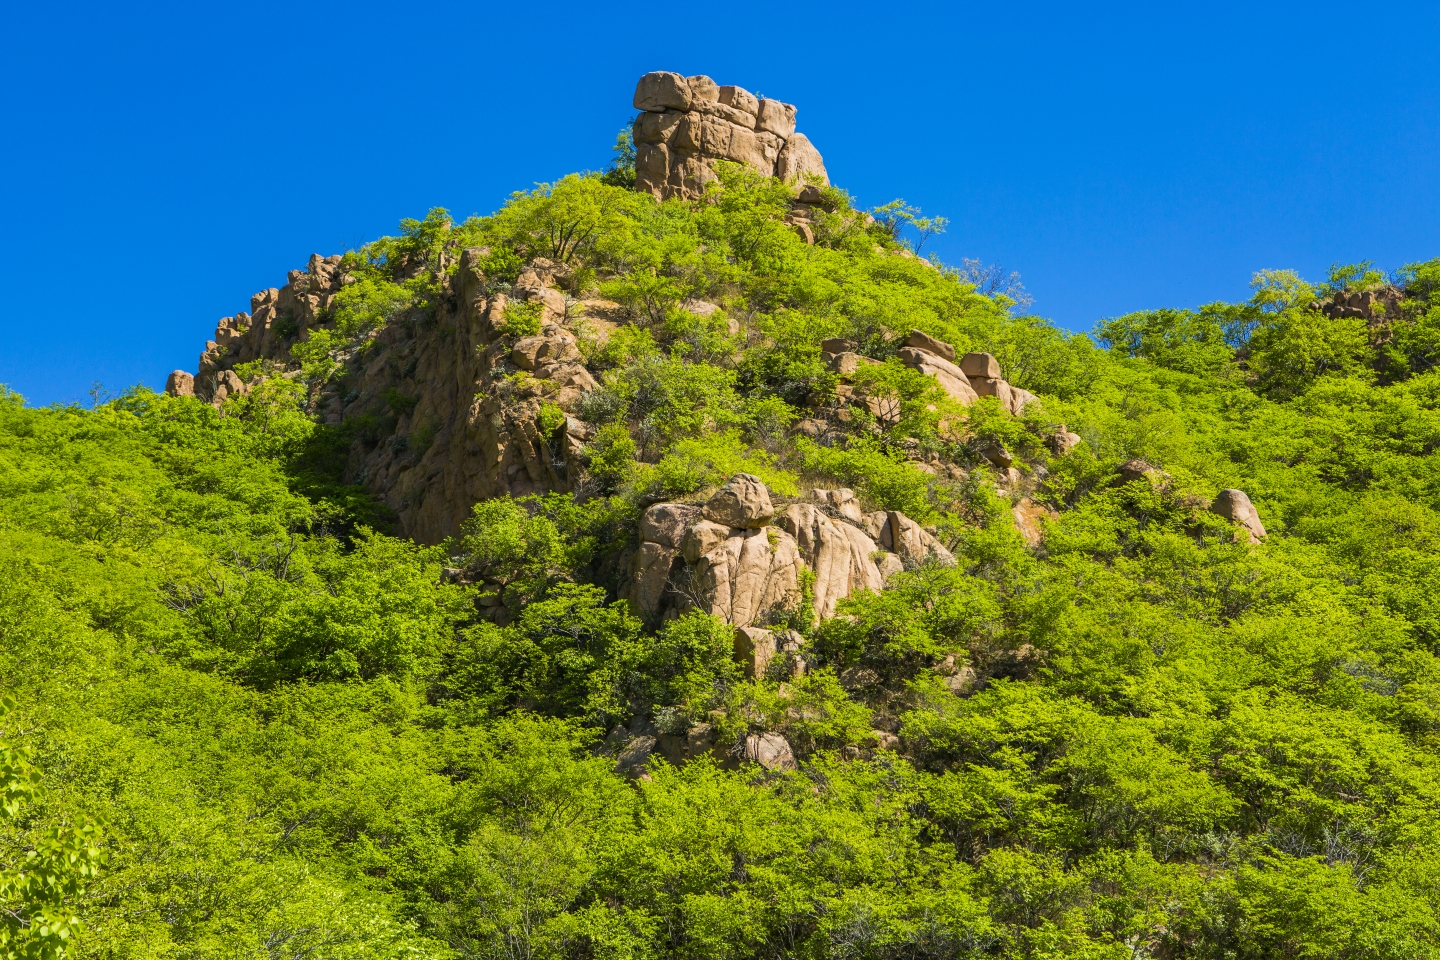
(160, 164)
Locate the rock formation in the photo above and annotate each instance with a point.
(458, 423)
(704, 558)
(1235, 506)
(688, 123)
(976, 375)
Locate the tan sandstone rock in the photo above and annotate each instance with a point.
(743, 502)
(775, 117)
(799, 160)
(980, 365)
(912, 542)
(923, 341)
(662, 90)
(951, 378)
(749, 576)
(1235, 506)
(666, 523)
(755, 647)
(704, 537)
(770, 750)
(837, 552)
(180, 384)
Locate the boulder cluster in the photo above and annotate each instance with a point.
(740, 558)
(1372, 306)
(686, 124)
(975, 375)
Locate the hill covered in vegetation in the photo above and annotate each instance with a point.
(302, 668)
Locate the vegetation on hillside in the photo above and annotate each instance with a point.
(262, 727)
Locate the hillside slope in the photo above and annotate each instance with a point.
(513, 599)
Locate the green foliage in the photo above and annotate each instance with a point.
(41, 872)
(522, 318)
(1143, 737)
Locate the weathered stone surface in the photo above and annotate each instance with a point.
(1020, 399)
(775, 117)
(770, 750)
(749, 576)
(689, 124)
(990, 387)
(666, 523)
(846, 364)
(843, 501)
(654, 128)
(743, 502)
(1062, 441)
(662, 90)
(923, 341)
(950, 377)
(227, 384)
(980, 365)
(739, 98)
(702, 89)
(650, 572)
(1235, 506)
(180, 384)
(702, 538)
(1029, 517)
(837, 552)
(635, 758)
(997, 454)
(1132, 470)
(838, 345)
(913, 543)
(799, 160)
(754, 649)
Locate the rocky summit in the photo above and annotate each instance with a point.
(688, 123)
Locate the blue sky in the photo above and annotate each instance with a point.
(160, 164)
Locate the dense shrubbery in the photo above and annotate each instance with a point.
(296, 738)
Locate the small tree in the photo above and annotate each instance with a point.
(40, 876)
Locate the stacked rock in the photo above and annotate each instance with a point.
(688, 123)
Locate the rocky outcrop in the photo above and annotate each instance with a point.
(687, 124)
(973, 376)
(1235, 506)
(450, 408)
(699, 557)
(1374, 305)
(840, 554)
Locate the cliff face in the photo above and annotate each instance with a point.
(458, 400)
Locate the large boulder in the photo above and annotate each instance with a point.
(770, 750)
(911, 542)
(950, 377)
(923, 341)
(839, 554)
(662, 90)
(1235, 506)
(704, 537)
(754, 648)
(842, 501)
(180, 384)
(748, 577)
(744, 502)
(666, 523)
(740, 99)
(980, 365)
(702, 90)
(799, 160)
(775, 117)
